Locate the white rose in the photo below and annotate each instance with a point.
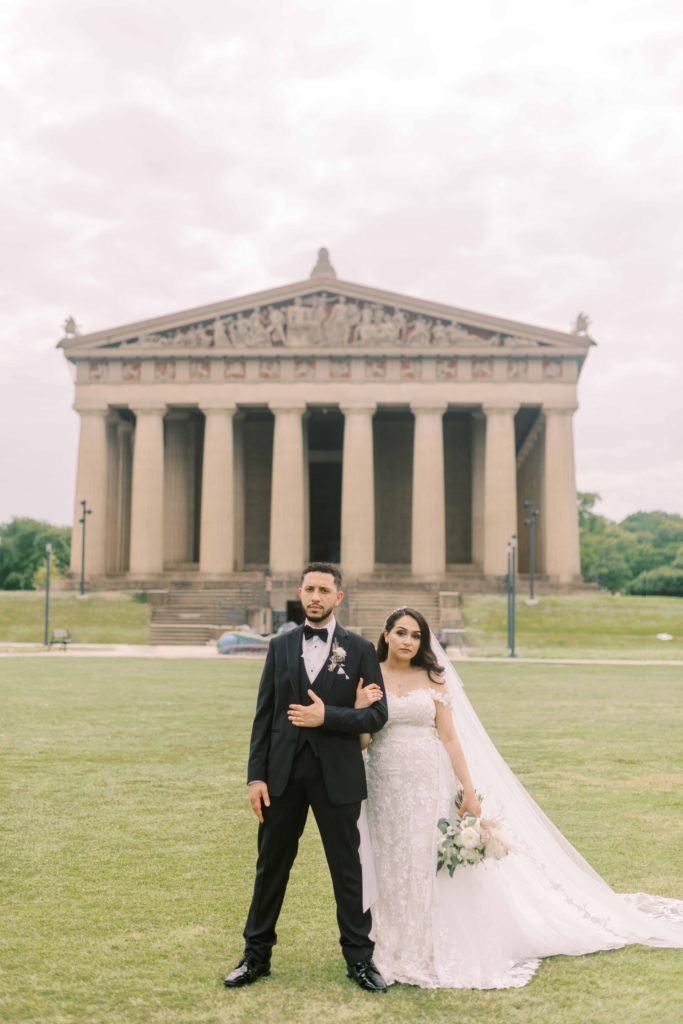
(471, 856)
(469, 837)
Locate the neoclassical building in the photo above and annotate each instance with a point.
(324, 420)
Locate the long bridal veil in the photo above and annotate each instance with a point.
(491, 924)
(567, 906)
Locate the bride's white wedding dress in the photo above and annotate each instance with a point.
(487, 926)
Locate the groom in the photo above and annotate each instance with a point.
(305, 752)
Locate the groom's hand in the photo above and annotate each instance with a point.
(258, 791)
(307, 716)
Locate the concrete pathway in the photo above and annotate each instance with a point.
(114, 651)
(8, 650)
(576, 661)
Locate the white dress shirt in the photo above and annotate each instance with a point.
(315, 651)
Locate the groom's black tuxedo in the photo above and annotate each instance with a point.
(284, 682)
(321, 768)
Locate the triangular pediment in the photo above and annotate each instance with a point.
(324, 313)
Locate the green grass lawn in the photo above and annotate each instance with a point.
(128, 846)
(576, 626)
(110, 617)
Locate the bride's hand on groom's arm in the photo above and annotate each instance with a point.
(367, 695)
(307, 716)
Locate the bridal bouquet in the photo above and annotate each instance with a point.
(469, 840)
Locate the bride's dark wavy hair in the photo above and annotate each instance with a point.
(425, 656)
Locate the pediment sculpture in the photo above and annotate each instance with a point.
(321, 320)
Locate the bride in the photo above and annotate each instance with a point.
(486, 926)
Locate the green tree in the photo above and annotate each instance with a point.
(588, 519)
(22, 551)
(665, 528)
(616, 555)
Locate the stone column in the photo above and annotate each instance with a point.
(147, 504)
(287, 512)
(179, 486)
(478, 462)
(358, 492)
(91, 485)
(560, 516)
(500, 487)
(217, 536)
(429, 497)
(124, 492)
(113, 526)
(238, 488)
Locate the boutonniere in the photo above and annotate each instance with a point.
(337, 657)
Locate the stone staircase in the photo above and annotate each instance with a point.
(368, 609)
(370, 601)
(192, 613)
(196, 612)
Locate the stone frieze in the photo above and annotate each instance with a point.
(324, 321)
(400, 367)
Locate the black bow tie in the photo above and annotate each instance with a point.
(310, 632)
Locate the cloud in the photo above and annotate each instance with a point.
(654, 488)
(520, 160)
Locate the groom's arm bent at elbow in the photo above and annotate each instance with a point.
(357, 720)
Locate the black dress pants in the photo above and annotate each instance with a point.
(278, 842)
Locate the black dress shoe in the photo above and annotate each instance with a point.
(365, 974)
(247, 971)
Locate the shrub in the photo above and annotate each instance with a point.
(665, 581)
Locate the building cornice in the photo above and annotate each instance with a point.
(474, 333)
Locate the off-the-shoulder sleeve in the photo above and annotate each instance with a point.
(442, 698)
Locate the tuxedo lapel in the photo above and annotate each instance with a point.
(326, 678)
(294, 641)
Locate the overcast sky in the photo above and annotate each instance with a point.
(521, 159)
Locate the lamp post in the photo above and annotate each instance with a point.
(86, 512)
(530, 522)
(512, 585)
(48, 552)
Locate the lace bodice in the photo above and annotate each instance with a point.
(416, 708)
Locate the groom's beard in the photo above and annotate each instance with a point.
(319, 615)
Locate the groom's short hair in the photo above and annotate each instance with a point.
(327, 567)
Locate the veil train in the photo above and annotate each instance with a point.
(553, 900)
